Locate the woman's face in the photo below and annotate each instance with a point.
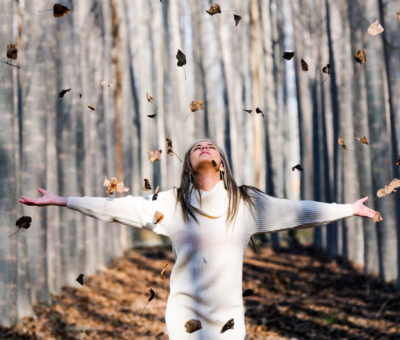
(202, 155)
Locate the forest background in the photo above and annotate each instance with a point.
(111, 56)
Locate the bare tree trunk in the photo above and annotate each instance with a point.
(8, 185)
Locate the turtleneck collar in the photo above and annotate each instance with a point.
(213, 202)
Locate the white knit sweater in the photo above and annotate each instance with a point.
(206, 280)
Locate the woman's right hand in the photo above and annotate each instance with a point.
(47, 199)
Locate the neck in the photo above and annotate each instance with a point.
(207, 179)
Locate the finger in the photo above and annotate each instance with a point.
(364, 199)
(42, 191)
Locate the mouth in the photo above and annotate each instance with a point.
(203, 152)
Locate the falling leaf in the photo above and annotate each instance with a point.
(248, 292)
(375, 28)
(398, 15)
(214, 163)
(388, 189)
(237, 18)
(92, 107)
(214, 9)
(181, 58)
(152, 116)
(79, 279)
(170, 152)
(259, 111)
(341, 143)
(192, 325)
(229, 325)
(114, 185)
(327, 69)
(149, 98)
(105, 83)
(60, 10)
(158, 217)
(147, 185)
(304, 65)
(196, 105)
(154, 155)
(248, 111)
(151, 297)
(22, 222)
(62, 92)
(363, 140)
(155, 193)
(377, 217)
(361, 56)
(288, 55)
(12, 51)
(398, 161)
(297, 167)
(162, 274)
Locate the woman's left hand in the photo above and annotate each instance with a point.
(361, 210)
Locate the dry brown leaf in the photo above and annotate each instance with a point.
(181, 58)
(304, 65)
(192, 325)
(388, 189)
(229, 325)
(398, 160)
(22, 222)
(114, 185)
(92, 107)
(363, 140)
(154, 155)
(152, 116)
(214, 9)
(247, 110)
(79, 279)
(196, 105)
(237, 19)
(361, 56)
(149, 98)
(398, 15)
(375, 28)
(288, 55)
(170, 152)
(377, 217)
(147, 185)
(342, 144)
(12, 51)
(248, 292)
(105, 83)
(258, 110)
(158, 217)
(327, 69)
(162, 274)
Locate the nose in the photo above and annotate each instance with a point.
(204, 147)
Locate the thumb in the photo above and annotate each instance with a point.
(42, 191)
(364, 199)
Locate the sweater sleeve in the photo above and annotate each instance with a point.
(129, 210)
(276, 214)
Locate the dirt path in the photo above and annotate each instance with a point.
(296, 296)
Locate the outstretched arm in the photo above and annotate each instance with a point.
(275, 214)
(137, 212)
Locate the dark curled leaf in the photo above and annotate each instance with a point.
(79, 279)
(398, 160)
(214, 163)
(229, 325)
(170, 151)
(259, 111)
(248, 292)
(24, 222)
(147, 185)
(247, 110)
(61, 94)
(288, 55)
(181, 58)
(297, 167)
(155, 194)
(192, 325)
(60, 10)
(361, 56)
(152, 116)
(304, 65)
(12, 51)
(327, 69)
(237, 19)
(152, 294)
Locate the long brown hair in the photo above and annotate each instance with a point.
(189, 183)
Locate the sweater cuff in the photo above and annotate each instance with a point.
(348, 210)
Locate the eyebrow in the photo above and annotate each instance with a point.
(199, 144)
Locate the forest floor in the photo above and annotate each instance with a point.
(296, 295)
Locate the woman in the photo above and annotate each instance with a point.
(209, 221)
